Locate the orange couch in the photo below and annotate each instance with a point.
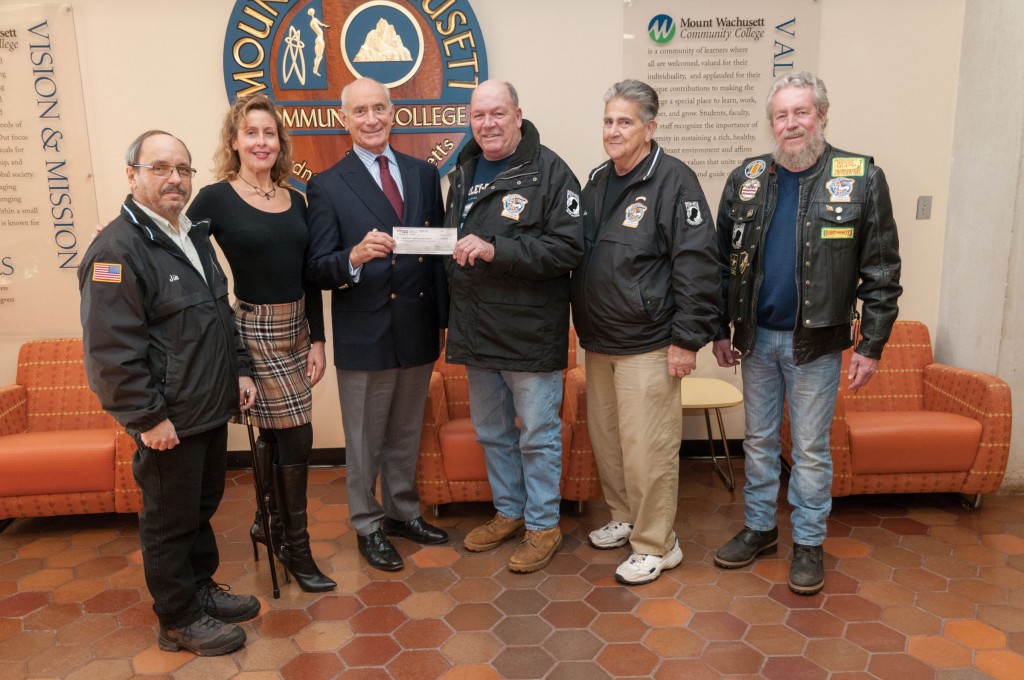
(451, 465)
(60, 453)
(918, 426)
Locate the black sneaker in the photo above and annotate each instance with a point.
(223, 606)
(746, 546)
(807, 572)
(205, 636)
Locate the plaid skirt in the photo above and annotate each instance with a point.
(277, 337)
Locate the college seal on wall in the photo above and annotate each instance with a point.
(301, 53)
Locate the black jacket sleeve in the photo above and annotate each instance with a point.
(696, 270)
(114, 330)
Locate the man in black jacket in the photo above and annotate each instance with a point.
(644, 301)
(516, 206)
(165, 361)
(804, 232)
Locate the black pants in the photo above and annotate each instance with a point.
(181, 489)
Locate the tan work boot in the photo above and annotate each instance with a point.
(536, 550)
(492, 534)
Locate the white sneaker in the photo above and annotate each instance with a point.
(611, 535)
(640, 569)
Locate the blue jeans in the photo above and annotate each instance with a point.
(524, 467)
(769, 377)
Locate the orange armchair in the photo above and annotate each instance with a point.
(60, 453)
(918, 426)
(451, 465)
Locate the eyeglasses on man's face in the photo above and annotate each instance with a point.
(183, 171)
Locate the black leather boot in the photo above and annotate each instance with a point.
(294, 552)
(266, 454)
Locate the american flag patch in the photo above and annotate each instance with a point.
(104, 271)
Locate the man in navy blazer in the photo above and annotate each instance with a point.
(388, 312)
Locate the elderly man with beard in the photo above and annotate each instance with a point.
(804, 232)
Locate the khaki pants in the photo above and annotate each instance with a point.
(636, 426)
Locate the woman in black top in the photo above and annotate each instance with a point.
(260, 225)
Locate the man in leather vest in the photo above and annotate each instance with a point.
(804, 232)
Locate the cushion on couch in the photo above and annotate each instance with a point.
(57, 462)
(885, 442)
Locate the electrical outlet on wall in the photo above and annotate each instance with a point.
(924, 207)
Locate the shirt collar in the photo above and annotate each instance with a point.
(369, 158)
(184, 223)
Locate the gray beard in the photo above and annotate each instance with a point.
(806, 157)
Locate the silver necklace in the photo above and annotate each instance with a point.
(260, 192)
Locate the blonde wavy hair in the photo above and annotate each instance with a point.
(226, 159)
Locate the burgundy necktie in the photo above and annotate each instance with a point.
(387, 182)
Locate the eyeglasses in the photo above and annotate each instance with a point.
(184, 171)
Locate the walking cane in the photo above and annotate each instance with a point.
(261, 503)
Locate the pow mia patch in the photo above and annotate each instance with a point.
(693, 215)
(737, 235)
(512, 206)
(572, 203)
(634, 213)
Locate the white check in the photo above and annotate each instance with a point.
(424, 240)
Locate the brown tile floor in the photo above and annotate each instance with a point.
(917, 587)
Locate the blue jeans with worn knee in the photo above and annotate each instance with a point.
(524, 467)
(770, 376)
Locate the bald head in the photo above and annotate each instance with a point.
(496, 119)
(367, 114)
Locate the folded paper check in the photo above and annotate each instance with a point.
(423, 240)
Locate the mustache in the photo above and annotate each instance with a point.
(173, 189)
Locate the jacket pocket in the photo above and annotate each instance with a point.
(837, 224)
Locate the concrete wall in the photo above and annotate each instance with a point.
(980, 313)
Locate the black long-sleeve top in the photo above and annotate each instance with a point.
(266, 250)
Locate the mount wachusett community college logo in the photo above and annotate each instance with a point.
(301, 53)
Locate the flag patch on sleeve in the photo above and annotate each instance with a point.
(105, 271)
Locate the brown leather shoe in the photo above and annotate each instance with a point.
(536, 550)
(492, 534)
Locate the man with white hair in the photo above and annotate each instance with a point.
(804, 232)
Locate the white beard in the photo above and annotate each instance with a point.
(805, 157)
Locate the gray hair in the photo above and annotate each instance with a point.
(512, 94)
(804, 79)
(387, 93)
(131, 156)
(641, 94)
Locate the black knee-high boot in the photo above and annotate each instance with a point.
(294, 551)
(266, 455)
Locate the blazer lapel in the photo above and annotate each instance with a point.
(360, 181)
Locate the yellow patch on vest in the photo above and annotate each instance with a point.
(836, 232)
(847, 167)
